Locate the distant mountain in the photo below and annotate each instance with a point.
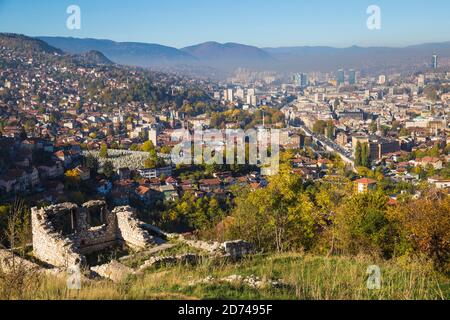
(126, 53)
(94, 57)
(236, 54)
(225, 58)
(24, 43)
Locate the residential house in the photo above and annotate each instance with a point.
(364, 185)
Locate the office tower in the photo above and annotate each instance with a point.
(230, 95)
(304, 81)
(352, 77)
(382, 79)
(301, 80)
(434, 62)
(340, 77)
(225, 95)
(251, 92)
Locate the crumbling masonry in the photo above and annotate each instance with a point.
(64, 233)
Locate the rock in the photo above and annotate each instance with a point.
(237, 249)
(114, 271)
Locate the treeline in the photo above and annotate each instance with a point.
(245, 119)
(329, 218)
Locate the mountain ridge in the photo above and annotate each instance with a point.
(229, 56)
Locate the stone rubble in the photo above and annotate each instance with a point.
(63, 234)
(252, 281)
(114, 271)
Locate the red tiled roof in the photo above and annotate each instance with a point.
(365, 181)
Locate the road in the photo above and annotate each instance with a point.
(330, 146)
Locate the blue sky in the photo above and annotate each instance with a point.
(262, 23)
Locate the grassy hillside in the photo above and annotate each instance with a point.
(301, 277)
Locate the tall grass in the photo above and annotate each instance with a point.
(305, 278)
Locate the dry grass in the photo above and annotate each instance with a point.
(306, 278)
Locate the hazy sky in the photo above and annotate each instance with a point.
(262, 23)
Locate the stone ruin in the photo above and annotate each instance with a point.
(63, 234)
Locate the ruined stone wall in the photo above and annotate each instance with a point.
(64, 233)
(49, 245)
(130, 229)
(90, 239)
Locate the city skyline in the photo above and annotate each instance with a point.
(178, 24)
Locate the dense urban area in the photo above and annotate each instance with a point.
(364, 175)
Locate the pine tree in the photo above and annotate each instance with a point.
(358, 154)
(365, 155)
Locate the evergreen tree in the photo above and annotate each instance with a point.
(358, 154)
(108, 169)
(365, 155)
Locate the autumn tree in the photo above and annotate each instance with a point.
(425, 224)
(361, 225)
(103, 151)
(280, 217)
(72, 180)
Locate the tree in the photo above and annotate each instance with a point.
(150, 163)
(92, 164)
(103, 151)
(319, 127)
(358, 155)
(280, 217)
(361, 225)
(330, 130)
(166, 150)
(425, 224)
(373, 127)
(72, 180)
(108, 169)
(192, 213)
(365, 155)
(18, 281)
(148, 146)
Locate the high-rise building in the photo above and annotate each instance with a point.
(304, 80)
(352, 77)
(230, 95)
(382, 79)
(301, 80)
(434, 62)
(340, 77)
